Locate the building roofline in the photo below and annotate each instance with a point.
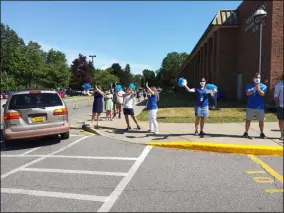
(213, 23)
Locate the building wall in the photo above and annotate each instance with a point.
(248, 43)
(276, 42)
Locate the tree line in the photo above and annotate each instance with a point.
(28, 66)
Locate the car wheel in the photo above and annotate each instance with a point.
(65, 135)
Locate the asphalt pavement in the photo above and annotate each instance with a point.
(90, 173)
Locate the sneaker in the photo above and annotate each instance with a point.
(149, 130)
(245, 135)
(202, 133)
(262, 135)
(196, 133)
(156, 133)
(138, 127)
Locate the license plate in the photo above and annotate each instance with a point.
(38, 119)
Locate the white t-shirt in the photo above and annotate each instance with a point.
(119, 99)
(279, 93)
(128, 102)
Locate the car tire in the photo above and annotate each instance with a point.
(65, 135)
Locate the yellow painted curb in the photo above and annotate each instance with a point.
(223, 148)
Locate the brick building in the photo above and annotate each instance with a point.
(227, 54)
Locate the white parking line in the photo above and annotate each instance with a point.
(72, 157)
(69, 171)
(123, 183)
(54, 194)
(34, 149)
(41, 158)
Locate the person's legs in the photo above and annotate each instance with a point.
(98, 118)
(280, 117)
(202, 120)
(197, 120)
(93, 118)
(260, 117)
(154, 120)
(249, 117)
(110, 115)
(150, 121)
(119, 110)
(203, 114)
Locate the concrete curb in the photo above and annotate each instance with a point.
(202, 146)
(87, 128)
(222, 148)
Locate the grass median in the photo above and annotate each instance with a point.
(180, 109)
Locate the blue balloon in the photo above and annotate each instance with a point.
(118, 87)
(86, 86)
(132, 86)
(181, 82)
(211, 87)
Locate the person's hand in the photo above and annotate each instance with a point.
(146, 84)
(257, 88)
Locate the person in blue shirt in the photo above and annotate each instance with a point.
(153, 108)
(255, 105)
(201, 106)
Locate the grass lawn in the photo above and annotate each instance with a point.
(180, 109)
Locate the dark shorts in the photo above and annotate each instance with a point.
(280, 113)
(128, 111)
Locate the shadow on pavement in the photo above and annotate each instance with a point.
(30, 143)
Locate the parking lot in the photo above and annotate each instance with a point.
(96, 174)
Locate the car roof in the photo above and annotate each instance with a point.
(28, 91)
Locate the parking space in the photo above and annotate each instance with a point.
(87, 170)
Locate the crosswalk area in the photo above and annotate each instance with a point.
(83, 173)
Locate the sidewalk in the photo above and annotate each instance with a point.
(175, 134)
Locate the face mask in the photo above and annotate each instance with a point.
(202, 84)
(256, 80)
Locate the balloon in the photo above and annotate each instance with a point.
(132, 86)
(86, 86)
(182, 82)
(118, 87)
(211, 88)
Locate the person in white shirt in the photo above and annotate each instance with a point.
(279, 96)
(128, 104)
(118, 102)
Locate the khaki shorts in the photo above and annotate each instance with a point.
(259, 114)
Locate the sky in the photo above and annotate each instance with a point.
(140, 33)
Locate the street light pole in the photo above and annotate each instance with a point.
(259, 17)
(260, 47)
(92, 56)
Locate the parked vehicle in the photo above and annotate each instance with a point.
(36, 113)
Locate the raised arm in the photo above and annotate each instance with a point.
(99, 91)
(188, 89)
(149, 89)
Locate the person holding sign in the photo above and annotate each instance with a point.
(201, 104)
(255, 105)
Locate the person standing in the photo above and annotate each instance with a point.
(97, 105)
(279, 99)
(119, 102)
(255, 105)
(201, 106)
(108, 105)
(128, 100)
(153, 109)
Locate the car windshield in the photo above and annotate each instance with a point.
(25, 101)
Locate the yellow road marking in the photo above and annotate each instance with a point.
(267, 168)
(256, 172)
(87, 132)
(273, 190)
(263, 180)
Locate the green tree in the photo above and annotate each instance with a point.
(56, 73)
(104, 78)
(81, 72)
(127, 69)
(170, 67)
(12, 47)
(136, 79)
(116, 69)
(149, 76)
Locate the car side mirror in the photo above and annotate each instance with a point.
(3, 105)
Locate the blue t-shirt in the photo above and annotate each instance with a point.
(201, 97)
(152, 102)
(255, 100)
